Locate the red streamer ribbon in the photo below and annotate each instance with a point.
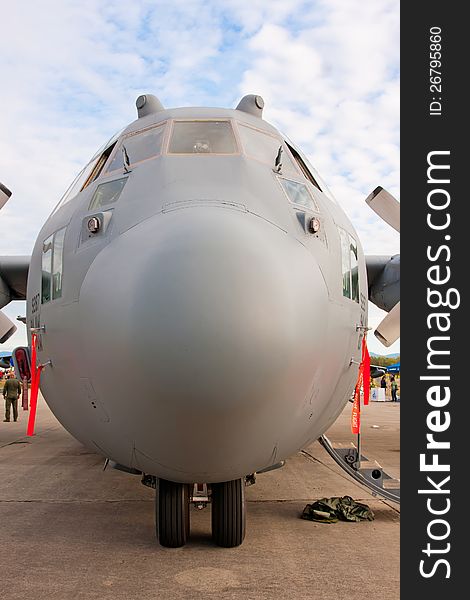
(35, 379)
(363, 380)
(356, 412)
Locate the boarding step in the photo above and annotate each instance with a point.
(367, 472)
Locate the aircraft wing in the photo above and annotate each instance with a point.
(13, 278)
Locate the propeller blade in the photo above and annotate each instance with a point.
(386, 206)
(7, 328)
(388, 330)
(4, 195)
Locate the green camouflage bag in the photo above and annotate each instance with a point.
(331, 510)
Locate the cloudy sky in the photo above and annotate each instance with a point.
(71, 70)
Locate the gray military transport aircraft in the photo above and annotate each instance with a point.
(200, 249)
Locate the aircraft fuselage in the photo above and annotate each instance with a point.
(199, 329)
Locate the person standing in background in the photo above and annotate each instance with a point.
(394, 388)
(11, 393)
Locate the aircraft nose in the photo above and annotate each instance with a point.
(218, 318)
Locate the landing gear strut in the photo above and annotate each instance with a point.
(172, 513)
(228, 513)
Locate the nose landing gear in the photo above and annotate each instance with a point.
(172, 502)
(172, 513)
(228, 513)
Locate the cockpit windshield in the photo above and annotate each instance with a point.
(138, 146)
(202, 137)
(266, 148)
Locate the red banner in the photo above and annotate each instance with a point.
(356, 412)
(35, 378)
(363, 380)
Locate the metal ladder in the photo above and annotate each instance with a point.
(366, 472)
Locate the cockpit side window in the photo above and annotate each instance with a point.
(303, 167)
(99, 165)
(137, 147)
(57, 263)
(46, 270)
(354, 269)
(349, 265)
(107, 193)
(202, 137)
(265, 148)
(52, 266)
(298, 193)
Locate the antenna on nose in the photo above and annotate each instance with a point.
(252, 104)
(148, 104)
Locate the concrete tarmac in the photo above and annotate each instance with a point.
(68, 530)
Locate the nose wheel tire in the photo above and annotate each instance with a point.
(228, 513)
(172, 513)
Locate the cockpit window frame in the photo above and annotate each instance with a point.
(303, 166)
(52, 270)
(311, 169)
(349, 250)
(99, 167)
(97, 203)
(280, 141)
(315, 208)
(203, 120)
(121, 141)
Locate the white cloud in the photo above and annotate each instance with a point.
(333, 88)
